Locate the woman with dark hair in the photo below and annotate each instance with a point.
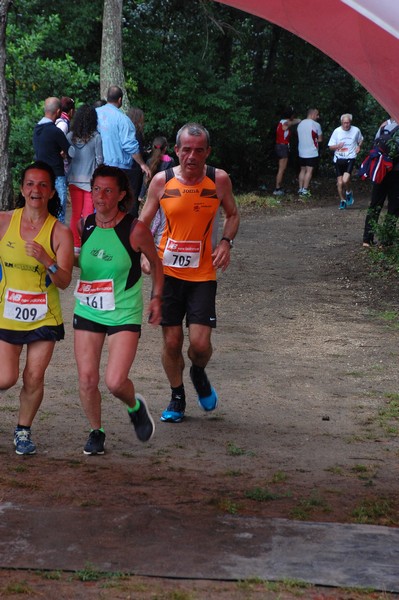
(158, 161)
(87, 154)
(109, 302)
(283, 135)
(36, 258)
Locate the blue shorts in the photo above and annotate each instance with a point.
(49, 333)
(194, 299)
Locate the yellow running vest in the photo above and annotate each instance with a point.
(28, 298)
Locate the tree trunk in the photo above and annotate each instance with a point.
(6, 193)
(111, 67)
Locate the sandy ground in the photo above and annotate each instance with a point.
(305, 364)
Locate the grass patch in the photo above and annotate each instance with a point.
(389, 316)
(90, 573)
(279, 477)
(52, 575)
(45, 414)
(307, 506)
(11, 409)
(253, 200)
(18, 468)
(358, 374)
(359, 469)
(335, 470)
(228, 506)
(378, 511)
(234, 450)
(279, 587)
(264, 495)
(388, 416)
(22, 485)
(89, 502)
(233, 473)
(18, 588)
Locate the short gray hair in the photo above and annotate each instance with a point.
(346, 116)
(193, 129)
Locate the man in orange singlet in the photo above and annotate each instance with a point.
(189, 197)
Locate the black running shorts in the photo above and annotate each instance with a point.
(194, 299)
(309, 162)
(344, 165)
(88, 325)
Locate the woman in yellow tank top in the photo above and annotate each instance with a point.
(36, 258)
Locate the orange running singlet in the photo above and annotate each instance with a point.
(190, 216)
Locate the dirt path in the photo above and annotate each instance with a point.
(306, 370)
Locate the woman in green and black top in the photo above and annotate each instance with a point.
(109, 302)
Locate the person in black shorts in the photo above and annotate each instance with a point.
(345, 142)
(36, 253)
(109, 303)
(189, 197)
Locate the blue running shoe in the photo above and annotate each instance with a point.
(342, 205)
(207, 396)
(175, 411)
(210, 402)
(349, 198)
(22, 442)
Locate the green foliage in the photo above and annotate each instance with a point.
(184, 61)
(36, 69)
(386, 257)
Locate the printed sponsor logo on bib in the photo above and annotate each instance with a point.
(98, 294)
(25, 307)
(182, 254)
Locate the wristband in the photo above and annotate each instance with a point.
(53, 268)
(228, 240)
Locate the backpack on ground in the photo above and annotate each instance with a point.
(382, 156)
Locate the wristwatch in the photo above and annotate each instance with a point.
(53, 268)
(228, 240)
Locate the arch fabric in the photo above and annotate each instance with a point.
(360, 35)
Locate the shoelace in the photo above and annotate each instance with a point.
(23, 435)
(176, 405)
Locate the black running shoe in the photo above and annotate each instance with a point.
(142, 421)
(95, 443)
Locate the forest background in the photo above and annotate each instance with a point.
(194, 60)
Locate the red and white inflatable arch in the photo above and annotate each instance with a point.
(360, 35)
